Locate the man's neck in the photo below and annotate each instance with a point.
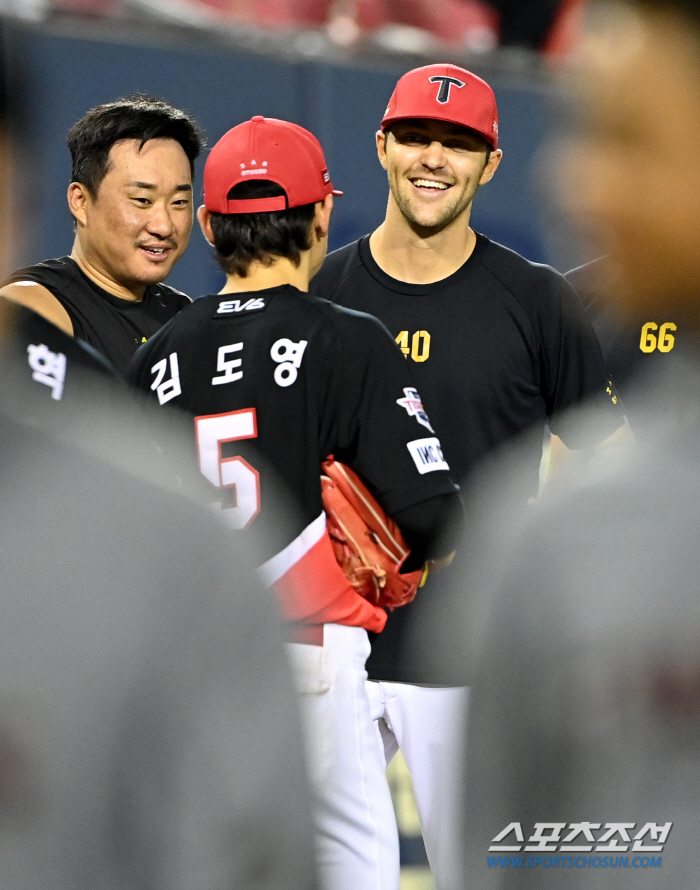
(421, 256)
(261, 277)
(103, 280)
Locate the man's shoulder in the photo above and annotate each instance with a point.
(345, 320)
(336, 268)
(516, 271)
(169, 295)
(536, 286)
(53, 272)
(308, 310)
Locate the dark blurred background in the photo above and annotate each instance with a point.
(329, 66)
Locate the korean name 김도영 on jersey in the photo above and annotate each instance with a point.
(284, 376)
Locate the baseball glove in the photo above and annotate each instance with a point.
(367, 543)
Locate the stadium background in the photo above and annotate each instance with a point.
(325, 74)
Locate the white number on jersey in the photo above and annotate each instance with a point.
(289, 354)
(227, 365)
(232, 473)
(166, 389)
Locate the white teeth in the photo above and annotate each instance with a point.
(430, 184)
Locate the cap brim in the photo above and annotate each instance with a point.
(337, 193)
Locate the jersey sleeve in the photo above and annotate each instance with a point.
(574, 372)
(377, 422)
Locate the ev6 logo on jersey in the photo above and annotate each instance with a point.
(226, 307)
(289, 354)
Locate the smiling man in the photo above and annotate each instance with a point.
(497, 345)
(131, 199)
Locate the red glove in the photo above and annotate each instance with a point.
(367, 543)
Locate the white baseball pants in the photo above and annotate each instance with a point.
(428, 724)
(357, 837)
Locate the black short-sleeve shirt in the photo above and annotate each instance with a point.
(111, 325)
(496, 348)
(288, 377)
(640, 346)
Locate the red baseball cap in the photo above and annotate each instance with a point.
(445, 93)
(266, 148)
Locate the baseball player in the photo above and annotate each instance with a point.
(497, 345)
(634, 348)
(277, 379)
(131, 198)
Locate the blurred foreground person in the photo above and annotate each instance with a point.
(131, 198)
(148, 734)
(582, 633)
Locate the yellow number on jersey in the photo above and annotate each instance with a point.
(420, 345)
(666, 341)
(402, 340)
(647, 342)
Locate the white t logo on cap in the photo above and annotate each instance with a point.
(446, 84)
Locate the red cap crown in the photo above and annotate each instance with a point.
(445, 93)
(266, 148)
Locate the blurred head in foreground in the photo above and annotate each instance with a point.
(581, 623)
(632, 171)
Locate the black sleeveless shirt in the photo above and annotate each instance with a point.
(113, 326)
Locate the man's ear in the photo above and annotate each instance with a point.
(381, 147)
(204, 220)
(491, 167)
(322, 216)
(79, 201)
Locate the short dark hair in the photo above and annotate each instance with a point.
(132, 117)
(243, 238)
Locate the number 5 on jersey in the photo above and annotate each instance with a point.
(232, 473)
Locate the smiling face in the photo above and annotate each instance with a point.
(631, 172)
(434, 170)
(138, 224)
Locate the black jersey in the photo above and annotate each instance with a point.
(630, 347)
(496, 348)
(113, 326)
(45, 375)
(284, 376)
(501, 345)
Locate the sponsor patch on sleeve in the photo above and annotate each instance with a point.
(427, 455)
(413, 405)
